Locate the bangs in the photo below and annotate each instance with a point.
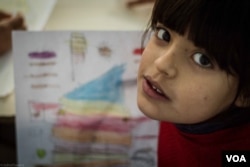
(215, 25)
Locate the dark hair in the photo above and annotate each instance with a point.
(221, 27)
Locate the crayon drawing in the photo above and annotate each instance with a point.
(81, 109)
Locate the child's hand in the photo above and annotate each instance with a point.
(8, 23)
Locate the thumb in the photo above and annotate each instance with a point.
(4, 15)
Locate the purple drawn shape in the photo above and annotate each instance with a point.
(42, 55)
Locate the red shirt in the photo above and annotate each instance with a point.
(180, 149)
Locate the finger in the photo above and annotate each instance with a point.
(23, 27)
(5, 38)
(4, 15)
(16, 22)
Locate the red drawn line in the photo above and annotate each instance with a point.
(138, 51)
(44, 106)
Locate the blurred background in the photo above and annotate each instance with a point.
(46, 15)
(81, 14)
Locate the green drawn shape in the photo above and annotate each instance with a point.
(41, 153)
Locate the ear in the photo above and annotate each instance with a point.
(241, 102)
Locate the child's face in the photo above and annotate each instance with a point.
(178, 82)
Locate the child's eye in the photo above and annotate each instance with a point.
(202, 60)
(163, 34)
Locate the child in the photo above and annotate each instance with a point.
(194, 77)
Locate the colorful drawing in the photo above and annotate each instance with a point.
(79, 107)
(104, 50)
(41, 153)
(144, 157)
(94, 127)
(38, 106)
(50, 63)
(42, 55)
(38, 109)
(42, 75)
(78, 48)
(138, 51)
(78, 45)
(43, 86)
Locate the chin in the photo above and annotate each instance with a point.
(150, 113)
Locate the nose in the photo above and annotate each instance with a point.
(166, 62)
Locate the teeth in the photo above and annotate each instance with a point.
(156, 89)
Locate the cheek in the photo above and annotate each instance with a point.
(149, 52)
(199, 103)
(146, 60)
(193, 96)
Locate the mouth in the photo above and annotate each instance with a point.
(153, 89)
